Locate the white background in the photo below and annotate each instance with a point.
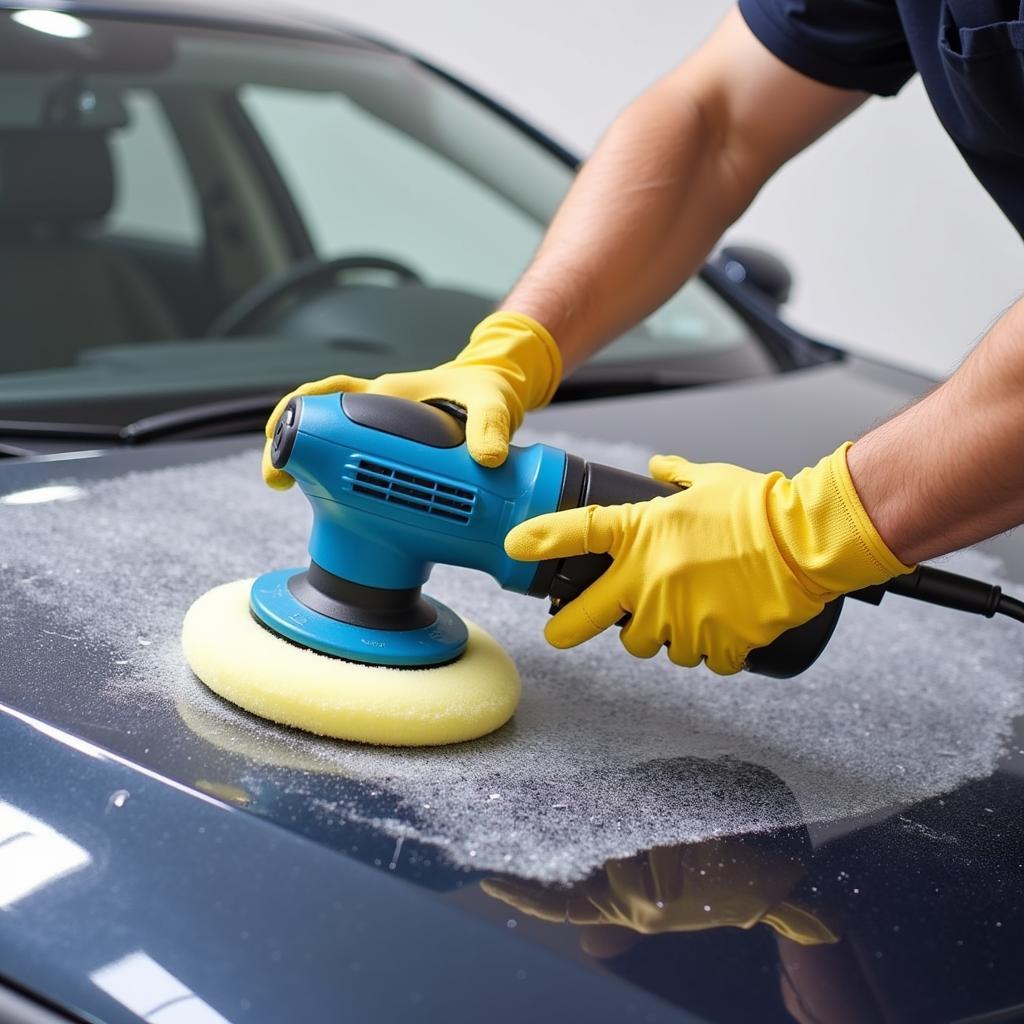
(897, 250)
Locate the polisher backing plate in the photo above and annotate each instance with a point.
(248, 665)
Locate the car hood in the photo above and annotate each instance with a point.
(608, 758)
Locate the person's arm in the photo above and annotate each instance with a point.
(673, 172)
(675, 169)
(949, 471)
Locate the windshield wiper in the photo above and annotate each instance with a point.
(38, 428)
(237, 415)
(210, 419)
(229, 416)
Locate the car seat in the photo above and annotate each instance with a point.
(60, 290)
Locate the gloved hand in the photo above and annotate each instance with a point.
(713, 884)
(720, 568)
(510, 366)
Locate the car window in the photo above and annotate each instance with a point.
(155, 197)
(166, 187)
(362, 186)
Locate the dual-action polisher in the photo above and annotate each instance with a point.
(394, 491)
(350, 647)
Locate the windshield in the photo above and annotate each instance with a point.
(190, 213)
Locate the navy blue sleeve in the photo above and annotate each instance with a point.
(852, 44)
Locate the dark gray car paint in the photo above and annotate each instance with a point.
(265, 911)
(259, 923)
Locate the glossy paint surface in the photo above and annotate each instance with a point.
(216, 875)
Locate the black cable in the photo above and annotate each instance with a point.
(1011, 607)
(936, 586)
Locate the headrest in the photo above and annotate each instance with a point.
(54, 177)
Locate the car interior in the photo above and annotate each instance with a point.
(192, 213)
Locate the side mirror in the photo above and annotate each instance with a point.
(756, 268)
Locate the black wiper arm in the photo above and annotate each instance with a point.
(208, 420)
(78, 431)
(252, 411)
(235, 415)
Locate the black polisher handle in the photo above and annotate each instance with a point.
(589, 483)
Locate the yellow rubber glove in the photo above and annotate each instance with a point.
(510, 366)
(719, 569)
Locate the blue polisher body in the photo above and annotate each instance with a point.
(394, 490)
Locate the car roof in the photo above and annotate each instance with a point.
(292, 21)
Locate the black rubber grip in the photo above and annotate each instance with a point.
(423, 422)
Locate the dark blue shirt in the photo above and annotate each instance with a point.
(969, 53)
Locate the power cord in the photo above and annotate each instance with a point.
(936, 586)
(1011, 607)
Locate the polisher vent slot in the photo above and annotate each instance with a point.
(423, 493)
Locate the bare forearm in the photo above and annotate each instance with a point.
(672, 173)
(949, 471)
(644, 212)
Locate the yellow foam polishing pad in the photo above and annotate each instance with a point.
(248, 665)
